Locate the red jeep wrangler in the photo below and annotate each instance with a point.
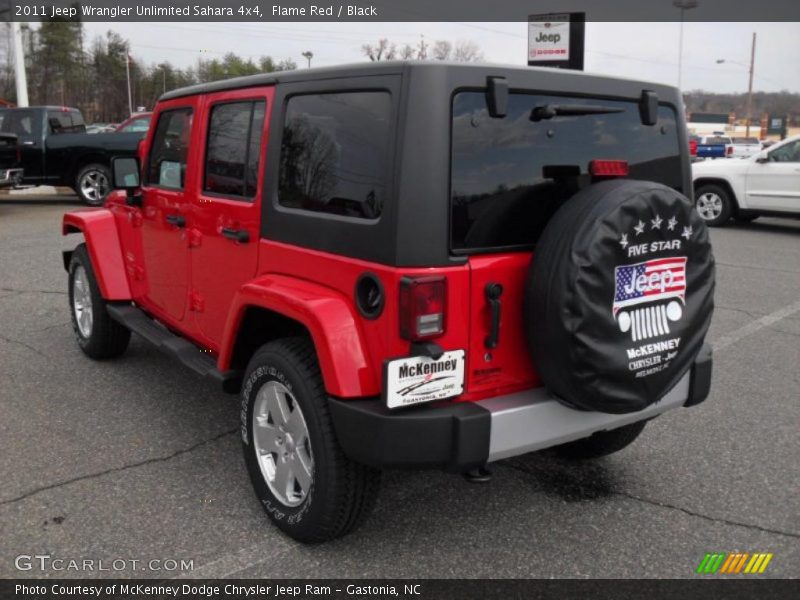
(408, 265)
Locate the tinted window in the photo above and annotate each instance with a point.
(745, 140)
(233, 149)
(717, 141)
(61, 121)
(167, 161)
(510, 175)
(334, 153)
(22, 122)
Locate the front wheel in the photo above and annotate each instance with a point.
(98, 335)
(713, 204)
(305, 483)
(93, 184)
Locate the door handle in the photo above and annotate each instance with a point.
(176, 220)
(493, 291)
(237, 235)
(28, 143)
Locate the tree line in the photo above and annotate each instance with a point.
(63, 69)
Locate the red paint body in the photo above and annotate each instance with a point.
(200, 284)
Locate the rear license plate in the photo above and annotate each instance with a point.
(418, 379)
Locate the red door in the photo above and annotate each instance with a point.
(227, 208)
(167, 184)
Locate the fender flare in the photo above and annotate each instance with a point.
(328, 317)
(102, 240)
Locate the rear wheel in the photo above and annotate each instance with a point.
(713, 204)
(93, 184)
(601, 443)
(305, 483)
(98, 335)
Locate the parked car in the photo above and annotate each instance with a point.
(96, 128)
(56, 150)
(714, 146)
(767, 183)
(10, 170)
(138, 123)
(744, 147)
(365, 278)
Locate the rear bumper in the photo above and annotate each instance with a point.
(461, 436)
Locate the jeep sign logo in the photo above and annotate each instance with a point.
(548, 37)
(553, 37)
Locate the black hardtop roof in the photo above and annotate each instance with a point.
(376, 68)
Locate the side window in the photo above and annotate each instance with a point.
(787, 153)
(58, 122)
(137, 125)
(233, 149)
(166, 165)
(335, 153)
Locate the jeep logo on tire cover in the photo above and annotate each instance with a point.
(651, 294)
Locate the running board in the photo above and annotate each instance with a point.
(178, 348)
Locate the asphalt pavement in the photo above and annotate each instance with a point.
(136, 459)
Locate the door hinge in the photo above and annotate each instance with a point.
(195, 238)
(196, 302)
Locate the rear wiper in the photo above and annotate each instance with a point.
(548, 111)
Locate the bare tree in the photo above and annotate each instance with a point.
(407, 52)
(442, 50)
(467, 51)
(383, 50)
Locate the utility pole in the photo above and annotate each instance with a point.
(19, 65)
(750, 84)
(128, 75)
(684, 5)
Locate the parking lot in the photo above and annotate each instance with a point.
(137, 459)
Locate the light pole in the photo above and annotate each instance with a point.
(308, 55)
(750, 82)
(684, 5)
(19, 65)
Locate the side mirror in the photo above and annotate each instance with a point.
(762, 157)
(125, 173)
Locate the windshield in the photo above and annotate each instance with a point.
(509, 175)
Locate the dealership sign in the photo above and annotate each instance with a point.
(556, 40)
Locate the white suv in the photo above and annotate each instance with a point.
(766, 183)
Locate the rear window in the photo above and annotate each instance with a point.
(717, 140)
(22, 122)
(745, 140)
(510, 175)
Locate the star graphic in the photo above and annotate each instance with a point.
(639, 228)
(624, 241)
(687, 232)
(656, 223)
(671, 223)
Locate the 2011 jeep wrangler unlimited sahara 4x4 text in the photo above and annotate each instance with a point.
(407, 265)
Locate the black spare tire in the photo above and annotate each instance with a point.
(619, 295)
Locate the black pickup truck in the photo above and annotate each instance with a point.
(56, 150)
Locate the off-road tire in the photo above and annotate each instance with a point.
(342, 493)
(108, 338)
(727, 209)
(601, 443)
(102, 171)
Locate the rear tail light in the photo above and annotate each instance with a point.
(728, 150)
(608, 168)
(422, 307)
(693, 147)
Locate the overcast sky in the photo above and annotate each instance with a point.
(639, 50)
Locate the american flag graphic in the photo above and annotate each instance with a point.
(648, 281)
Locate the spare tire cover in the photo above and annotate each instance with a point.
(619, 295)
